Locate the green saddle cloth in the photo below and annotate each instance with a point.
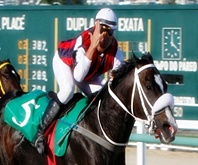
(25, 112)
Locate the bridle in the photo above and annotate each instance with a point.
(1, 86)
(149, 123)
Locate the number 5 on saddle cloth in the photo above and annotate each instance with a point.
(24, 113)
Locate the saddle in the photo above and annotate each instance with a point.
(65, 108)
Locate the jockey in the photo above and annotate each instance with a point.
(81, 61)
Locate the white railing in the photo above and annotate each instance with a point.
(181, 142)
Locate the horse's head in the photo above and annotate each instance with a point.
(149, 102)
(9, 78)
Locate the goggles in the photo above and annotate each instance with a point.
(104, 28)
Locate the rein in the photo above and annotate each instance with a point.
(1, 86)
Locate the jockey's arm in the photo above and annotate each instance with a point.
(82, 65)
(118, 60)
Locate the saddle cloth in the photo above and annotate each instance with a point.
(25, 112)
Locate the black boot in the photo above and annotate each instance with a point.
(48, 117)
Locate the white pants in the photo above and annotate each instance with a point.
(66, 82)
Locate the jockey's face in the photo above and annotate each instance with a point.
(106, 39)
(107, 29)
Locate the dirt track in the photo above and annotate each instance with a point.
(162, 157)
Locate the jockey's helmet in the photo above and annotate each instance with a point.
(107, 17)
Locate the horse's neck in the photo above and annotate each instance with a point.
(114, 120)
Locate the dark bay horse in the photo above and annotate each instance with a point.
(136, 93)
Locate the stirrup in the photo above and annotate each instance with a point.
(40, 144)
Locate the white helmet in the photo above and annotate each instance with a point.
(107, 17)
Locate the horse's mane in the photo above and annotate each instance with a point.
(129, 65)
(123, 71)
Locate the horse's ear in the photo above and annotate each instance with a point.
(8, 60)
(148, 53)
(150, 57)
(134, 57)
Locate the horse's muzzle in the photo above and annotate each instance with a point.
(165, 131)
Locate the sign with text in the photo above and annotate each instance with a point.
(29, 36)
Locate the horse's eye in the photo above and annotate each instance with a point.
(148, 87)
(7, 77)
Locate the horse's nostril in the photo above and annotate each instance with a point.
(166, 126)
(169, 128)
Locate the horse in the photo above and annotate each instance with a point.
(137, 92)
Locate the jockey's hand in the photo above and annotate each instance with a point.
(96, 36)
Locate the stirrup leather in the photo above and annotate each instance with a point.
(40, 144)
